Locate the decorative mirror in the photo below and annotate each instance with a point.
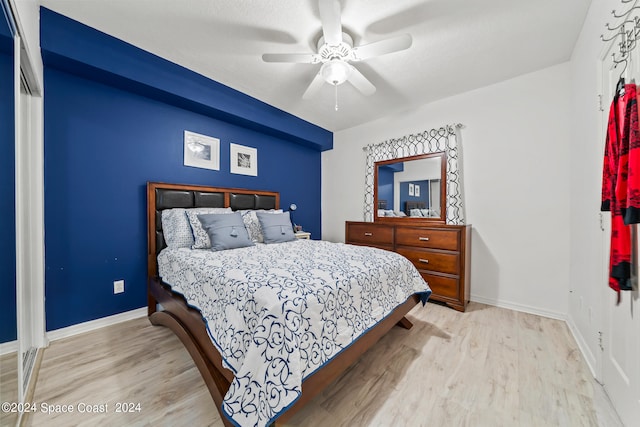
(411, 189)
(440, 142)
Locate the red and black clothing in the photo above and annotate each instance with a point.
(621, 183)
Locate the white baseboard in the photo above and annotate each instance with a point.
(96, 324)
(587, 354)
(8, 347)
(520, 307)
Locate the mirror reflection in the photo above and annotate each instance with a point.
(410, 188)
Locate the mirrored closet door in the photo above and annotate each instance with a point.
(22, 324)
(9, 361)
(27, 348)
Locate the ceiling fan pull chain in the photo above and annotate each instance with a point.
(336, 89)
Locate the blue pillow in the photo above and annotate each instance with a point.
(276, 227)
(226, 231)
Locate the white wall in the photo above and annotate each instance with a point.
(515, 152)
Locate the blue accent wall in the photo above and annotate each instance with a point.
(81, 50)
(385, 186)
(6, 38)
(105, 140)
(7, 189)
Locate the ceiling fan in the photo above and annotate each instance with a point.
(336, 52)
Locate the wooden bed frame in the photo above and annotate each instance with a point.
(187, 323)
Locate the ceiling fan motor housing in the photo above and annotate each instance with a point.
(342, 51)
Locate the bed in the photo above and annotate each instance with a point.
(288, 370)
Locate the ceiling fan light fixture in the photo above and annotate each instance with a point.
(335, 71)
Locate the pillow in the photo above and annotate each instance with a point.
(176, 228)
(253, 225)
(225, 231)
(399, 214)
(200, 237)
(415, 212)
(276, 227)
(425, 213)
(380, 212)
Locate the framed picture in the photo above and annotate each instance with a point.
(244, 160)
(201, 151)
(411, 189)
(416, 190)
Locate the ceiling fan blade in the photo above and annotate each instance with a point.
(330, 18)
(300, 58)
(382, 47)
(360, 82)
(315, 85)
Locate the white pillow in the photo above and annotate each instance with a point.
(252, 224)
(176, 229)
(200, 236)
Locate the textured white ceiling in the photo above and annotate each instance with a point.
(458, 45)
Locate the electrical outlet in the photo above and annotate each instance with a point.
(118, 286)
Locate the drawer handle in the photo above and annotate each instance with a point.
(424, 239)
(368, 234)
(426, 261)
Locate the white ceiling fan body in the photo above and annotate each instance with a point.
(335, 51)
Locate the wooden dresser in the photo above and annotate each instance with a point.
(440, 252)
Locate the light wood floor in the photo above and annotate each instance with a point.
(486, 367)
(8, 386)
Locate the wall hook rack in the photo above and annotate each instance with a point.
(625, 31)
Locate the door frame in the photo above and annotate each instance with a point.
(29, 200)
(604, 74)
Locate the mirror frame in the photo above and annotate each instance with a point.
(443, 190)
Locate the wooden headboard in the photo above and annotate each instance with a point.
(161, 196)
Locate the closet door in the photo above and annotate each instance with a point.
(25, 280)
(621, 328)
(8, 314)
(29, 223)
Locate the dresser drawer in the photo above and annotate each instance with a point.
(372, 245)
(428, 238)
(442, 286)
(370, 234)
(430, 260)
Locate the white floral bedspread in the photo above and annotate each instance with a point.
(279, 312)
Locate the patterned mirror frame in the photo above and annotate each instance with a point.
(429, 141)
